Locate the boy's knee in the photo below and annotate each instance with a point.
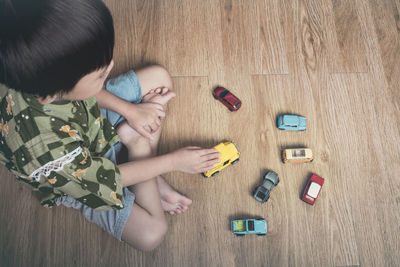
(153, 236)
(163, 76)
(140, 148)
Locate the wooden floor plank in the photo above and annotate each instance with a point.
(239, 36)
(185, 50)
(272, 38)
(386, 24)
(138, 35)
(346, 43)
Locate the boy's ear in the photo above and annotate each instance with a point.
(47, 100)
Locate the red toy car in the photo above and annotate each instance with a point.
(227, 98)
(312, 189)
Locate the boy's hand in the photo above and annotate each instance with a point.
(145, 118)
(195, 159)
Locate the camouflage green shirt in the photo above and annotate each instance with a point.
(57, 149)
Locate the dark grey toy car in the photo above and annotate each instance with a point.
(271, 179)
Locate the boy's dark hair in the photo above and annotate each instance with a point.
(46, 46)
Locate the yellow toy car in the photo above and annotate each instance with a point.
(229, 155)
(297, 155)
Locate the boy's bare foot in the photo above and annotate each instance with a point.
(172, 201)
(129, 135)
(160, 96)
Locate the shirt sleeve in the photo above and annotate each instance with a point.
(69, 168)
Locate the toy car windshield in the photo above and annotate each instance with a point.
(223, 93)
(250, 225)
(314, 190)
(299, 153)
(261, 195)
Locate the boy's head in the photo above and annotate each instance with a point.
(55, 47)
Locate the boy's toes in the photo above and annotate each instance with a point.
(148, 96)
(186, 201)
(167, 97)
(164, 90)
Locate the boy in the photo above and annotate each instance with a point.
(54, 58)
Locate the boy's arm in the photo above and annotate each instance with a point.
(134, 172)
(107, 100)
(143, 117)
(187, 159)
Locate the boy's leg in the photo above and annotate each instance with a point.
(156, 85)
(146, 225)
(153, 77)
(171, 201)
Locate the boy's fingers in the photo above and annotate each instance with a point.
(207, 168)
(158, 106)
(161, 113)
(211, 156)
(209, 151)
(145, 133)
(148, 129)
(169, 96)
(215, 161)
(153, 127)
(164, 90)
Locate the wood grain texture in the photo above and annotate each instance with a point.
(334, 61)
(347, 45)
(272, 45)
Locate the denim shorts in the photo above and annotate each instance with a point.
(125, 86)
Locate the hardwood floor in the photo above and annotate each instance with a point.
(337, 62)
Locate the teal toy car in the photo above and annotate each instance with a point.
(249, 226)
(291, 122)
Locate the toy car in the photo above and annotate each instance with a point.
(291, 122)
(297, 155)
(227, 98)
(312, 189)
(249, 226)
(262, 192)
(229, 155)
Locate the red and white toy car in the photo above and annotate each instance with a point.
(227, 98)
(312, 189)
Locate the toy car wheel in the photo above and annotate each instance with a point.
(215, 174)
(204, 175)
(239, 234)
(235, 161)
(261, 234)
(215, 97)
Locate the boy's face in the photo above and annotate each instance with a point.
(89, 85)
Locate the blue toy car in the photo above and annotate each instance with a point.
(291, 122)
(249, 226)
